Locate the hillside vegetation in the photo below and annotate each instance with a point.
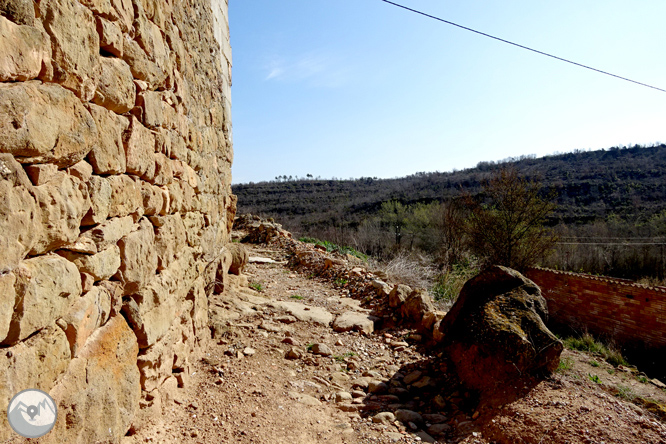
(590, 185)
(609, 213)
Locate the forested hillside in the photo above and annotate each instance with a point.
(589, 185)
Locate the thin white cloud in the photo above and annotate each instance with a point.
(316, 69)
(275, 72)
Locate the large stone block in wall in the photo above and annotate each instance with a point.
(155, 109)
(115, 86)
(82, 170)
(25, 52)
(170, 238)
(110, 37)
(194, 225)
(152, 310)
(18, 11)
(149, 37)
(141, 66)
(124, 10)
(100, 266)
(46, 286)
(181, 197)
(75, 44)
(100, 7)
(63, 202)
(125, 195)
(213, 238)
(44, 123)
(35, 363)
(169, 355)
(108, 156)
(157, 11)
(99, 191)
(88, 313)
(110, 232)
(7, 301)
(139, 145)
(176, 45)
(138, 258)
(199, 299)
(163, 170)
(156, 364)
(99, 394)
(19, 213)
(153, 199)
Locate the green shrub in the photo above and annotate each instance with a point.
(341, 358)
(626, 393)
(587, 343)
(565, 364)
(331, 247)
(257, 286)
(448, 284)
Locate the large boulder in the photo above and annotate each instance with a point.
(495, 332)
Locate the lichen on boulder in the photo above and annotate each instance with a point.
(495, 332)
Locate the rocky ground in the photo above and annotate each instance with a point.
(279, 372)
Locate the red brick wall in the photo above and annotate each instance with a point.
(620, 309)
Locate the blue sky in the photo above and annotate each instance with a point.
(358, 88)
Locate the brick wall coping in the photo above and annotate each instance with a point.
(626, 282)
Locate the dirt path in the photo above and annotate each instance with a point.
(281, 374)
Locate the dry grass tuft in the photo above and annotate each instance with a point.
(410, 269)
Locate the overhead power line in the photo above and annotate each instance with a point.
(522, 46)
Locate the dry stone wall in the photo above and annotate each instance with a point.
(115, 202)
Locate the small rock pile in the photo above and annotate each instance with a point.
(260, 231)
